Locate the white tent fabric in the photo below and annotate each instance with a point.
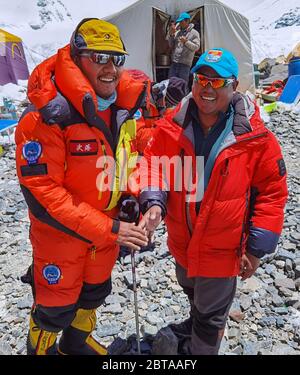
(223, 28)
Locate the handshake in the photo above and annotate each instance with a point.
(132, 233)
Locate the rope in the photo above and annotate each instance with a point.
(45, 57)
(28, 49)
(259, 50)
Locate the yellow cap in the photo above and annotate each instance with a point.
(98, 35)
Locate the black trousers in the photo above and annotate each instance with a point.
(211, 299)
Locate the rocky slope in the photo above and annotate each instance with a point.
(265, 316)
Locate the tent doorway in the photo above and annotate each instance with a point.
(197, 18)
(161, 52)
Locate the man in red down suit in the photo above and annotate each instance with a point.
(239, 217)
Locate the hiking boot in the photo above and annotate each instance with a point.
(183, 329)
(77, 339)
(76, 342)
(40, 341)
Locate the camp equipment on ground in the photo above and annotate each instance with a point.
(291, 91)
(273, 92)
(294, 66)
(270, 107)
(6, 124)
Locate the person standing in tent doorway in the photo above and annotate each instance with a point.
(84, 116)
(184, 42)
(238, 216)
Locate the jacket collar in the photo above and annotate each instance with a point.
(188, 29)
(74, 85)
(244, 111)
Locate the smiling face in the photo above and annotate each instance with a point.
(184, 24)
(211, 102)
(104, 78)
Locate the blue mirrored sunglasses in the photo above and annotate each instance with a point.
(103, 58)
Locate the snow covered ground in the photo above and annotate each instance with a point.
(17, 92)
(268, 38)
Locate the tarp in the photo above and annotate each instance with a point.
(13, 65)
(7, 124)
(223, 27)
(291, 91)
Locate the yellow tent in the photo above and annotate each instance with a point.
(12, 59)
(6, 37)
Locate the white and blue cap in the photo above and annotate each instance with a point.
(183, 16)
(220, 60)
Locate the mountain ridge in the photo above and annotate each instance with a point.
(46, 25)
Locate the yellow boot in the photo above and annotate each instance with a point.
(77, 338)
(40, 341)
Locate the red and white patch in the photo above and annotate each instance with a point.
(83, 147)
(213, 55)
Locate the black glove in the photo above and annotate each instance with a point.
(57, 110)
(129, 209)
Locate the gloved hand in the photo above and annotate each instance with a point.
(130, 235)
(57, 110)
(129, 209)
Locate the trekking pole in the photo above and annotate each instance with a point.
(137, 326)
(130, 215)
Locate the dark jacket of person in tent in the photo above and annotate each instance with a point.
(64, 158)
(229, 212)
(164, 97)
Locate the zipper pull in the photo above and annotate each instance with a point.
(225, 169)
(93, 252)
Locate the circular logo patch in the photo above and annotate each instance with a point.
(51, 273)
(32, 151)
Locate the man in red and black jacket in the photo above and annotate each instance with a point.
(237, 217)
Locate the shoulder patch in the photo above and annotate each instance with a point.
(51, 273)
(34, 170)
(137, 115)
(32, 151)
(281, 167)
